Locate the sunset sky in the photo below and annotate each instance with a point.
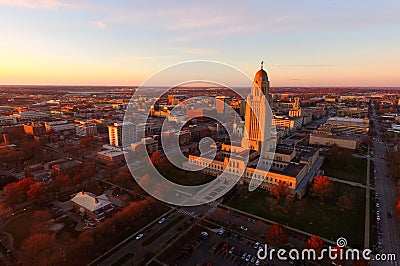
(303, 43)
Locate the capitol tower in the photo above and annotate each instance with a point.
(258, 116)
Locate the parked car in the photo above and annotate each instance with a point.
(244, 228)
(161, 220)
(248, 257)
(139, 236)
(204, 233)
(256, 245)
(232, 250)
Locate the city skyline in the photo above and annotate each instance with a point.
(101, 43)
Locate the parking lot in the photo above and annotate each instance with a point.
(227, 249)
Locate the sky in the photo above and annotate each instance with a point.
(302, 43)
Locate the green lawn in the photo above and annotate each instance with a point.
(20, 228)
(178, 176)
(354, 170)
(324, 220)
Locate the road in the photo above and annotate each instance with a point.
(386, 189)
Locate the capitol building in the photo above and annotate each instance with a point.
(257, 156)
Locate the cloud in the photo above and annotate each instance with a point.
(99, 24)
(302, 65)
(42, 4)
(142, 58)
(200, 51)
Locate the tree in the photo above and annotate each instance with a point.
(280, 191)
(17, 192)
(156, 158)
(36, 190)
(322, 188)
(315, 243)
(277, 235)
(38, 249)
(398, 209)
(345, 202)
(62, 181)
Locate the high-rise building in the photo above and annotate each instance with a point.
(220, 102)
(115, 133)
(256, 117)
(85, 129)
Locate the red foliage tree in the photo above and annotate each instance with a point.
(322, 188)
(277, 235)
(36, 190)
(315, 243)
(17, 192)
(38, 249)
(156, 158)
(280, 191)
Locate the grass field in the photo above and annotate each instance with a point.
(355, 170)
(178, 176)
(323, 220)
(20, 228)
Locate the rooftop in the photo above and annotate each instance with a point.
(90, 201)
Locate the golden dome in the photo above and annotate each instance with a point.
(261, 74)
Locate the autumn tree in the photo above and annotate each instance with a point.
(277, 235)
(322, 188)
(17, 192)
(38, 249)
(345, 202)
(156, 158)
(281, 191)
(315, 243)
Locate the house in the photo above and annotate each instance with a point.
(91, 206)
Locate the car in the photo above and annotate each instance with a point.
(377, 205)
(257, 262)
(379, 245)
(161, 220)
(253, 259)
(244, 228)
(376, 195)
(221, 232)
(389, 215)
(224, 247)
(256, 245)
(379, 234)
(204, 233)
(248, 257)
(139, 236)
(244, 256)
(231, 250)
